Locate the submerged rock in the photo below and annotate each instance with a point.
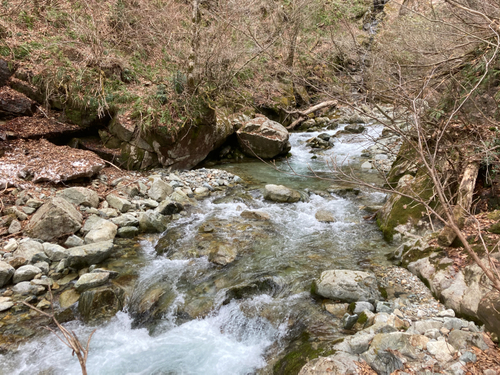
(348, 286)
(222, 254)
(100, 304)
(255, 215)
(324, 216)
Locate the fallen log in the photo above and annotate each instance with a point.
(303, 114)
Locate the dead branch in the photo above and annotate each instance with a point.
(303, 114)
(70, 339)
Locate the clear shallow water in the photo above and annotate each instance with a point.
(202, 329)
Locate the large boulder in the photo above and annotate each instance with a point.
(87, 255)
(488, 312)
(183, 149)
(80, 196)
(280, 193)
(263, 138)
(15, 103)
(54, 219)
(347, 286)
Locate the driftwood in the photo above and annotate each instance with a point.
(464, 202)
(303, 114)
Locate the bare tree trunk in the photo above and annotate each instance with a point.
(462, 207)
(293, 45)
(195, 43)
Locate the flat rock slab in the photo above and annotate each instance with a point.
(347, 286)
(91, 280)
(87, 255)
(43, 161)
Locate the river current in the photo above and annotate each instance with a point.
(241, 318)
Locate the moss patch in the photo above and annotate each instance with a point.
(299, 353)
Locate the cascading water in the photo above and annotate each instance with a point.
(234, 319)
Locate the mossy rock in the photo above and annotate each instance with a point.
(299, 352)
(495, 228)
(404, 164)
(401, 210)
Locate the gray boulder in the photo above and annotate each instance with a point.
(119, 203)
(169, 207)
(348, 286)
(54, 252)
(30, 250)
(160, 190)
(264, 138)
(152, 222)
(73, 241)
(104, 232)
(126, 220)
(25, 273)
(89, 254)
(92, 222)
(15, 227)
(280, 193)
(25, 287)
(354, 129)
(127, 232)
(6, 272)
(54, 219)
(80, 196)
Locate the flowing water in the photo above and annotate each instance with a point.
(187, 315)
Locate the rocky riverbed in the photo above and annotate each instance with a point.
(233, 256)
